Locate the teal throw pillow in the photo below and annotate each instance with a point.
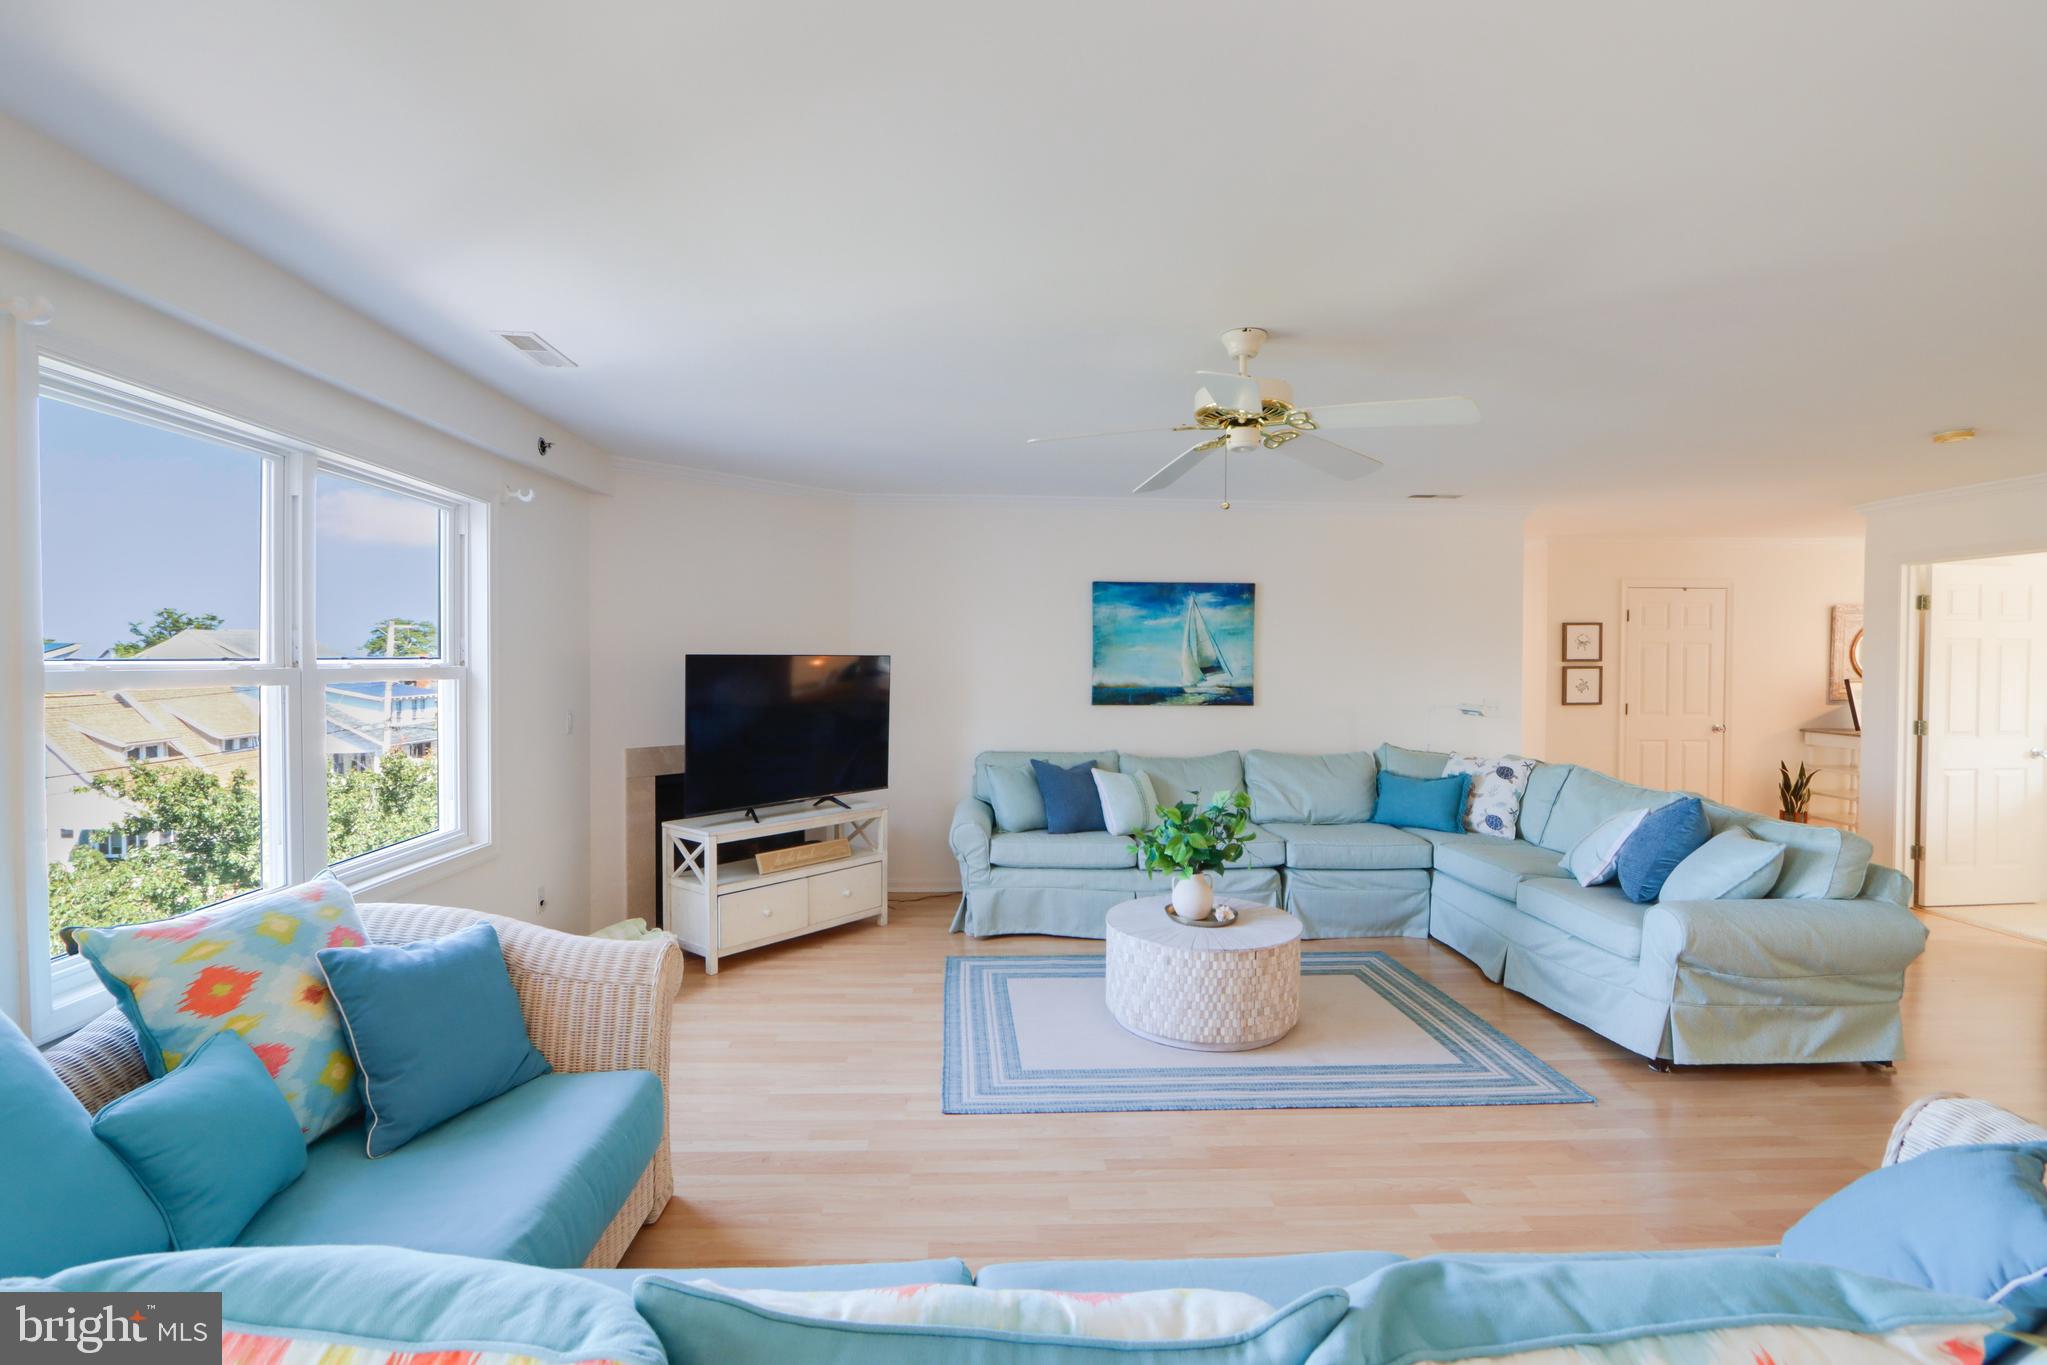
(211, 1142)
(1422, 802)
(1962, 1220)
(436, 1029)
(1072, 805)
(64, 1197)
(1666, 837)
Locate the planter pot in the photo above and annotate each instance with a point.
(1801, 818)
(1193, 898)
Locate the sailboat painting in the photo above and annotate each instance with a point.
(1174, 644)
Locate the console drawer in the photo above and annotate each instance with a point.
(833, 894)
(748, 916)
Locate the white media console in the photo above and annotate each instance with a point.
(717, 906)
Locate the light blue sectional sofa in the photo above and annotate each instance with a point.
(1811, 973)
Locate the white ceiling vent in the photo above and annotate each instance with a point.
(536, 349)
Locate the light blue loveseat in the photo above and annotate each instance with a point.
(1812, 973)
(562, 1171)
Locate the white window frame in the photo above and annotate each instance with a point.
(66, 994)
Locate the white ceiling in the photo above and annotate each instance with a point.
(1709, 267)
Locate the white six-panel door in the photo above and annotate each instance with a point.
(1986, 717)
(1674, 689)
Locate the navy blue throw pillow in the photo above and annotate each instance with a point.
(1665, 838)
(1072, 803)
(1423, 802)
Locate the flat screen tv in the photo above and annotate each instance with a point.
(760, 729)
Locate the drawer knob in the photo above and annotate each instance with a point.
(845, 890)
(767, 910)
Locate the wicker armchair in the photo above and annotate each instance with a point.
(590, 1005)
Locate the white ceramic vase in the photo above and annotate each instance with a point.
(1193, 897)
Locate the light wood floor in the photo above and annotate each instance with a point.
(807, 1127)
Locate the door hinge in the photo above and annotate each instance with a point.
(1919, 727)
(1918, 851)
(1624, 708)
(1923, 602)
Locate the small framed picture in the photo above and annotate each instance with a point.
(1583, 642)
(1582, 687)
(1854, 690)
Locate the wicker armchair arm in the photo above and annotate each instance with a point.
(591, 1004)
(1955, 1121)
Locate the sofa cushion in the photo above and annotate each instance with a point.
(1311, 789)
(533, 1176)
(1602, 916)
(211, 1142)
(1174, 780)
(1544, 784)
(1130, 804)
(1351, 848)
(1497, 786)
(1592, 859)
(418, 1308)
(1589, 799)
(1015, 798)
(1275, 1279)
(1963, 1220)
(699, 1324)
(1495, 866)
(1821, 862)
(864, 1275)
(1734, 1307)
(1041, 848)
(1410, 762)
(96, 1210)
(1732, 865)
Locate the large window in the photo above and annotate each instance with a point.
(255, 661)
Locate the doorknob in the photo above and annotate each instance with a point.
(1720, 729)
(2036, 753)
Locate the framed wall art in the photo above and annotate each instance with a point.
(1582, 686)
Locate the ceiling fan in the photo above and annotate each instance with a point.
(1244, 413)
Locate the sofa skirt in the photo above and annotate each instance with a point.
(1073, 903)
(1333, 903)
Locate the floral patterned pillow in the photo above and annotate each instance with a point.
(1497, 785)
(246, 965)
(1145, 1315)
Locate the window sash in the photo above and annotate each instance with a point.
(63, 993)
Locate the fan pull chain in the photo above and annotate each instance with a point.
(1226, 478)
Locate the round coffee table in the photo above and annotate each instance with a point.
(1225, 989)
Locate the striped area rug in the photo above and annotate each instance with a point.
(1031, 1035)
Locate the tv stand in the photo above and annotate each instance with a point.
(718, 905)
(822, 800)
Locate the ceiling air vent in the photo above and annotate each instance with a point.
(1434, 497)
(536, 349)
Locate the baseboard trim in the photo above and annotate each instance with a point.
(923, 888)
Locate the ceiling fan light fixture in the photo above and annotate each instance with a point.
(1954, 434)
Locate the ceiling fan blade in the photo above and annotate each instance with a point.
(1330, 458)
(1178, 465)
(1090, 435)
(1397, 412)
(1237, 392)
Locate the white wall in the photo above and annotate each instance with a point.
(1780, 590)
(1371, 626)
(2005, 518)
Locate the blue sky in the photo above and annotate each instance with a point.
(136, 518)
(1138, 628)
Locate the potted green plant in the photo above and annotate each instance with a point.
(1192, 842)
(1794, 793)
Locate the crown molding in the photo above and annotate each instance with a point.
(1957, 493)
(782, 488)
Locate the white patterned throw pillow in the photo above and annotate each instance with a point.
(1497, 785)
(1145, 1315)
